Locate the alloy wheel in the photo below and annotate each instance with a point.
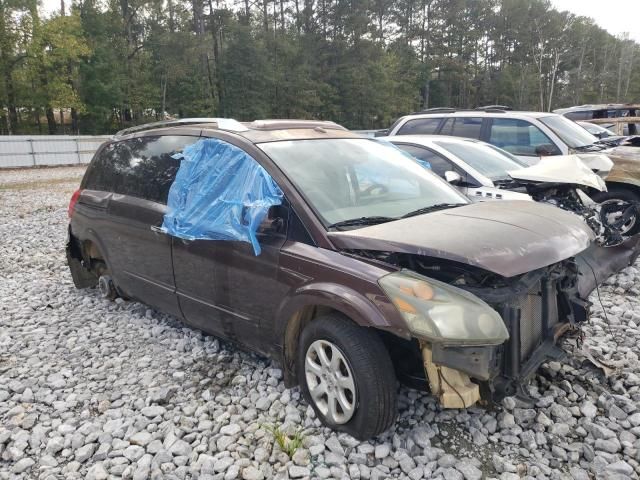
(330, 381)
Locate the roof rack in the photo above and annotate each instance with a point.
(222, 123)
(494, 108)
(486, 108)
(277, 124)
(438, 110)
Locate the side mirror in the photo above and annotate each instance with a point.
(452, 177)
(544, 150)
(381, 133)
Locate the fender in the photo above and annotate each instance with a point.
(367, 310)
(626, 166)
(351, 303)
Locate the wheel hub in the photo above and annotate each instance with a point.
(330, 381)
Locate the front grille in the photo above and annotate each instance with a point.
(532, 317)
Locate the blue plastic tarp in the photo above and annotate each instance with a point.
(220, 193)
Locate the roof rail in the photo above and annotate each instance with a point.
(222, 123)
(438, 110)
(494, 108)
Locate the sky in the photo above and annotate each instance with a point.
(616, 16)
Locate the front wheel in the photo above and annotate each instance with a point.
(618, 203)
(347, 376)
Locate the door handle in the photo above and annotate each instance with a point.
(157, 229)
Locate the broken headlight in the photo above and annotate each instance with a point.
(441, 313)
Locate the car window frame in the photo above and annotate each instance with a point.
(465, 173)
(126, 144)
(441, 120)
(297, 202)
(558, 144)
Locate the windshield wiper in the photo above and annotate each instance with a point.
(432, 208)
(361, 221)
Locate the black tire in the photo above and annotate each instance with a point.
(370, 365)
(625, 196)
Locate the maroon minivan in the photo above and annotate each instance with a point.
(371, 268)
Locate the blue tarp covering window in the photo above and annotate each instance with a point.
(220, 193)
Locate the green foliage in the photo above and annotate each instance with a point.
(362, 64)
(287, 444)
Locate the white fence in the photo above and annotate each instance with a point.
(41, 150)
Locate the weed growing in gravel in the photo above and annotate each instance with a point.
(286, 444)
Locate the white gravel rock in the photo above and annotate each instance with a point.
(96, 389)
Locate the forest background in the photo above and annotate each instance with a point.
(94, 67)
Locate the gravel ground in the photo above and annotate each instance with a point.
(97, 389)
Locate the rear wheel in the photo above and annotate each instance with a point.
(107, 287)
(347, 376)
(615, 204)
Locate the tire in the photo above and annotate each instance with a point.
(624, 196)
(367, 362)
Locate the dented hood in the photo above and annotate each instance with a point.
(569, 169)
(508, 238)
(598, 162)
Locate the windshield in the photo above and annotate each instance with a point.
(569, 132)
(486, 159)
(594, 129)
(345, 179)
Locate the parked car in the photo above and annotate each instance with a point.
(526, 135)
(337, 256)
(599, 131)
(623, 119)
(531, 136)
(486, 173)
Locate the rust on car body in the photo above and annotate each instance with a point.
(626, 165)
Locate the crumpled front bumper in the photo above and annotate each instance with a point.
(537, 311)
(598, 263)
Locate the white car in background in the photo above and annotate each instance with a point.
(529, 136)
(486, 173)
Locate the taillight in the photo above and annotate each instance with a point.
(74, 200)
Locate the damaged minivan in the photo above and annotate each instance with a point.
(335, 255)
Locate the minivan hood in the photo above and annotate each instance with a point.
(507, 238)
(568, 169)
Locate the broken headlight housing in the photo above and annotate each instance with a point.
(441, 313)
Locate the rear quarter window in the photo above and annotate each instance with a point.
(420, 126)
(467, 127)
(142, 167)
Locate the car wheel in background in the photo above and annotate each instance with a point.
(614, 203)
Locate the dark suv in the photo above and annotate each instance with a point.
(367, 266)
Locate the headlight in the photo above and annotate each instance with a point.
(442, 313)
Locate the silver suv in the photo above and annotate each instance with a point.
(527, 135)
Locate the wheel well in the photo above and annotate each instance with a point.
(617, 186)
(297, 322)
(91, 250)
(402, 352)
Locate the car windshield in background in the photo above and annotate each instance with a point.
(489, 161)
(594, 129)
(569, 132)
(359, 180)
